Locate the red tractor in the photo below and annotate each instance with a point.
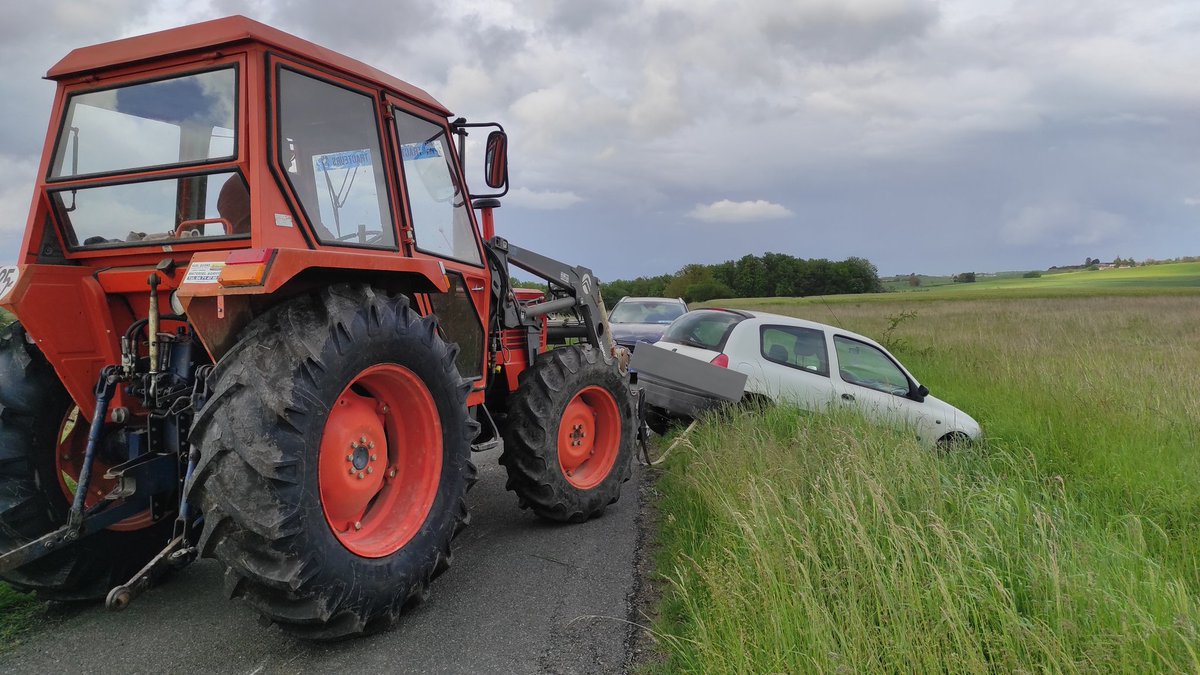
(261, 321)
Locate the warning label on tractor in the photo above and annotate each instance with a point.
(8, 279)
(204, 273)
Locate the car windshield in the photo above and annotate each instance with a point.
(184, 121)
(704, 329)
(646, 311)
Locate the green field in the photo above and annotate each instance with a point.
(1068, 541)
(1170, 278)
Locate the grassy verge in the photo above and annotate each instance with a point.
(798, 544)
(1070, 542)
(19, 612)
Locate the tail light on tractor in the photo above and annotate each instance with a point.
(274, 330)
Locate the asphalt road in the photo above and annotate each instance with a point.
(523, 596)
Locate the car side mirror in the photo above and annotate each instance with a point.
(496, 160)
(920, 393)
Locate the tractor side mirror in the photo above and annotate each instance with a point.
(496, 160)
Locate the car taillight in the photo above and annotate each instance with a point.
(721, 360)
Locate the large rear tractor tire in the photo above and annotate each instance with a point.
(570, 435)
(37, 430)
(335, 459)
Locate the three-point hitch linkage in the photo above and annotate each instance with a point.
(150, 463)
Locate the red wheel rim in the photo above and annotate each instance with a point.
(589, 437)
(380, 460)
(68, 462)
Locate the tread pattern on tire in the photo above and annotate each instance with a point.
(254, 436)
(530, 447)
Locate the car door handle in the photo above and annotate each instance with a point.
(847, 397)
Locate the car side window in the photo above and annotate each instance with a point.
(800, 348)
(441, 222)
(861, 364)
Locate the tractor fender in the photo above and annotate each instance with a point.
(223, 291)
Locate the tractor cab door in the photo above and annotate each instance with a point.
(439, 224)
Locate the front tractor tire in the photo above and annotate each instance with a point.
(334, 461)
(570, 435)
(38, 434)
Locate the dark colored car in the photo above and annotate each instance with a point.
(635, 320)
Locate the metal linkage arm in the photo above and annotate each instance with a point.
(579, 282)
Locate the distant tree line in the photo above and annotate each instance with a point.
(766, 276)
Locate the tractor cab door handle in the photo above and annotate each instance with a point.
(847, 397)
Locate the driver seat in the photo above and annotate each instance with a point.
(233, 204)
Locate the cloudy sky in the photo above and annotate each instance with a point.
(926, 136)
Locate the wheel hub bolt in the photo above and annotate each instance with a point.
(363, 440)
(358, 525)
(350, 458)
(371, 445)
(392, 473)
(373, 458)
(370, 470)
(360, 475)
(351, 471)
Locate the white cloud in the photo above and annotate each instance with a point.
(883, 116)
(726, 211)
(545, 200)
(1061, 222)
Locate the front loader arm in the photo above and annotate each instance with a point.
(579, 291)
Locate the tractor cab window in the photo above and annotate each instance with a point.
(440, 220)
(330, 152)
(175, 121)
(163, 211)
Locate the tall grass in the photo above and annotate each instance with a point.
(19, 612)
(1068, 542)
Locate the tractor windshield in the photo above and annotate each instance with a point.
(183, 121)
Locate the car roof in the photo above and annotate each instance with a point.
(677, 301)
(768, 317)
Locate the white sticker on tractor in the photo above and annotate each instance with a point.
(204, 273)
(283, 220)
(8, 279)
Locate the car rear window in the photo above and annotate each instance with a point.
(704, 329)
(646, 311)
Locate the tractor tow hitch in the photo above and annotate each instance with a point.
(120, 597)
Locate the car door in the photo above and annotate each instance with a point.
(795, 365)
(440, 225)
(869, 380)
